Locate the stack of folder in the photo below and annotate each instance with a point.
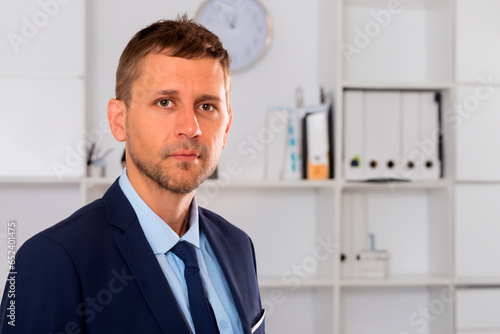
(392, 135)
(304, 148)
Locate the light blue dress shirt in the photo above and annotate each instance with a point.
(162, 238)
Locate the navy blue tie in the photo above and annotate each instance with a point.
(199, 306)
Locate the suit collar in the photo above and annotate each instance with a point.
(120, 212)
(142, 262)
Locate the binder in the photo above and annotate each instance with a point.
(347, 256)
(317, 146)
(303, 142)
(391, 135)
(354, 231)
(331, 141)
(410, 120)
(373, 135)
(430, 138)
(292, 169)
(276, 148)
(304, 113)
(354, 132)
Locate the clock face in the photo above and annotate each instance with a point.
(243, 26)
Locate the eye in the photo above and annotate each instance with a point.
(164, 103)
(207, 107)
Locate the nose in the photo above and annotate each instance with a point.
(187, 124)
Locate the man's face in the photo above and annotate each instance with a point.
(177, 122)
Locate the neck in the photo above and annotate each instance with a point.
(172, 208)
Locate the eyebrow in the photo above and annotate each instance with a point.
(169, 92)
(176, 93)
(208, 97)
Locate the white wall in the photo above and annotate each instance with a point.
(291, 61)
(42, 107)
(41, 88)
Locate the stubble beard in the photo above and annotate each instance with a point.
(158, 173)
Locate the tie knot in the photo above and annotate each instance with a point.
(185, 251)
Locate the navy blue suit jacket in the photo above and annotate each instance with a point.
(95, 272)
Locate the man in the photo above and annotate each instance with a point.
(145, 258)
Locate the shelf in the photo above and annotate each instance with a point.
(308, 184)
(477, 281)
(38, 180)
(478, 83)
(95, 181)
(397, 85)
(478, 182)
(261, 184)
(309, 283)
(397, 281)
(438, 184)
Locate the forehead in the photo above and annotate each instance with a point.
(160, 71)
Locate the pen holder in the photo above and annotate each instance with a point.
(374, 264)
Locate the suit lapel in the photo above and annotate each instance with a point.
(242, 289)
(137, 252)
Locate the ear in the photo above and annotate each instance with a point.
(116, 118)
(229, 122)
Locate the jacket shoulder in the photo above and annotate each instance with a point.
(222, 224)
(81, 223)
(82, 228)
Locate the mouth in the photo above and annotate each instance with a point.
(185, 155)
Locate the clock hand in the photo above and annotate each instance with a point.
(230, 17)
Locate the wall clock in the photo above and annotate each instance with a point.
(243, 26)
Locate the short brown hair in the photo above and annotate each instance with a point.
(182, 38)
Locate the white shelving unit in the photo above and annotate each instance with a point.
(407, 46)
(442, 235)
(441, 46)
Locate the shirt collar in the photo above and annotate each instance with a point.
(160, 236)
